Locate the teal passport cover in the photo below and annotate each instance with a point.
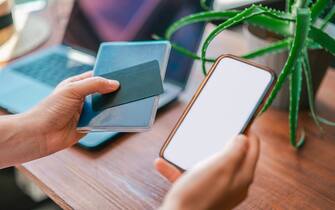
(136, 83)
(130, 117)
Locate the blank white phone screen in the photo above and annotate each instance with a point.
(220, 112)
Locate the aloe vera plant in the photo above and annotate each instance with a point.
(300, 30)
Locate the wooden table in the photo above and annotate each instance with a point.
(121, 175)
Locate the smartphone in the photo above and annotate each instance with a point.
(224, 106)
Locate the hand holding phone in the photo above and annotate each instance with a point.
(223, 107)
(218, 183)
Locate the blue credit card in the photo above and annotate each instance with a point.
(136, 83)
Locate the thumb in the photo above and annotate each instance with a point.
(167, 170)
(230, 158)
(92, 85)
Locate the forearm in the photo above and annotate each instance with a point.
(18, 142)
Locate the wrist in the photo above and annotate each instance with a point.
(30, 133)
(17, 140)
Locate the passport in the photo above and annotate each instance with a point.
(134, 116)
(136, 83)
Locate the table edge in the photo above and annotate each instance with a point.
(49, 192)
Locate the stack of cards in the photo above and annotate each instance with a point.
(140, 68)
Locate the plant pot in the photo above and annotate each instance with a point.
(319, 61)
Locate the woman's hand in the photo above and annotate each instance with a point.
(55, 119)
(221, 182)
(51, 125)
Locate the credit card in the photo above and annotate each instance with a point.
(136, 83)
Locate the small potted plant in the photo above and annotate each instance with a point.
(300, 29)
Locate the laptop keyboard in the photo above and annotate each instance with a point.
(53, 69)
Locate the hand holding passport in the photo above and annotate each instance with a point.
(140, 69)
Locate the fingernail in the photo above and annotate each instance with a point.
(114, 83)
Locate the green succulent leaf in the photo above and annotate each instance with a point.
(309, 84)
(189, 53)
(295, 93)
(272, 48)
(203, 4)
(310, 2)
(325, 121)
(183, 50)
(277, 13)
(308, 75)
(289, 4)
(311, 100)
(277, 26)
(246, 14)
(313, 45)
(199, 17)
(300, 4)
(276, 47)
(301, 141)
(317, 8)
(328, 18)
(269, 23)
(275, 21)
(299, 42)
(252, 11)
(322, 38)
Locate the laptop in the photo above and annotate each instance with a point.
(26, 81)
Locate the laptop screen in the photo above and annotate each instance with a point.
(93, 22)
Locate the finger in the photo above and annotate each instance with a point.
(82, 76)
(167, 170)
(249, 165)
(76, 78)
(92, 85)
(230, 159)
